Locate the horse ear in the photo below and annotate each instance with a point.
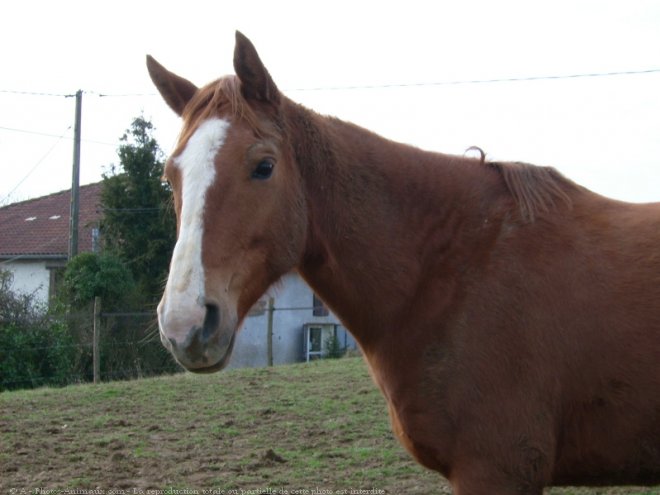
(175, 90)
(256, 83)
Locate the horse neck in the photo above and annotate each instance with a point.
(383, 217)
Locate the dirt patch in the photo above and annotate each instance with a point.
(292, 427)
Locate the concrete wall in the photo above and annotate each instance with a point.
(293, 309)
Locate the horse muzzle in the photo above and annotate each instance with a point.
(200, 338)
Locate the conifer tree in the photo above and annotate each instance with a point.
(138, 223)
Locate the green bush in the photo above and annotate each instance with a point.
(36, 347)
(89, 275)
(334, 348)
(127, 346)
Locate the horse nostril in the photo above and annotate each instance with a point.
(211, 321)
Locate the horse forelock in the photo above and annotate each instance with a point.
(222, 98)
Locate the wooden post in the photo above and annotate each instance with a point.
(96, 338)
(271, 309)
(74, 211)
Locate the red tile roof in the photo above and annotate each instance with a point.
(40, 227)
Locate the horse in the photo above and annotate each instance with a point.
(510, 317)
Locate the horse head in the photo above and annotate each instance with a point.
(239, 202)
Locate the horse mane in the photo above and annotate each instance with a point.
(535, 189)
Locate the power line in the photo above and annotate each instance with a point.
(45, 134)
(25, 131)
(132, 210)
(456, 82)
(36, 93)
(36, 165)
(63, 95)
(482, 81)
(120, 95)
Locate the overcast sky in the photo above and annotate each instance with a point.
(603, 132)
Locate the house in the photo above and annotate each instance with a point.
(289, 324)
(34, 238)
(301, 328)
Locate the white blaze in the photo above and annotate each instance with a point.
(185, 284)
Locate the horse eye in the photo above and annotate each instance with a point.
(263, 170)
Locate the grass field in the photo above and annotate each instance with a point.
(318, 428)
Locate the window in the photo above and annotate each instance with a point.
(321, 340)
(319, 307)
(315, 342)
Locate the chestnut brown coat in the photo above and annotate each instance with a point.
(510, 317)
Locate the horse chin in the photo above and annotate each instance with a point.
(222, 363)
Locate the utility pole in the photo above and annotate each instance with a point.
(75, 181)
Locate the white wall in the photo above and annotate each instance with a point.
(30, 277)
(293, 304)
